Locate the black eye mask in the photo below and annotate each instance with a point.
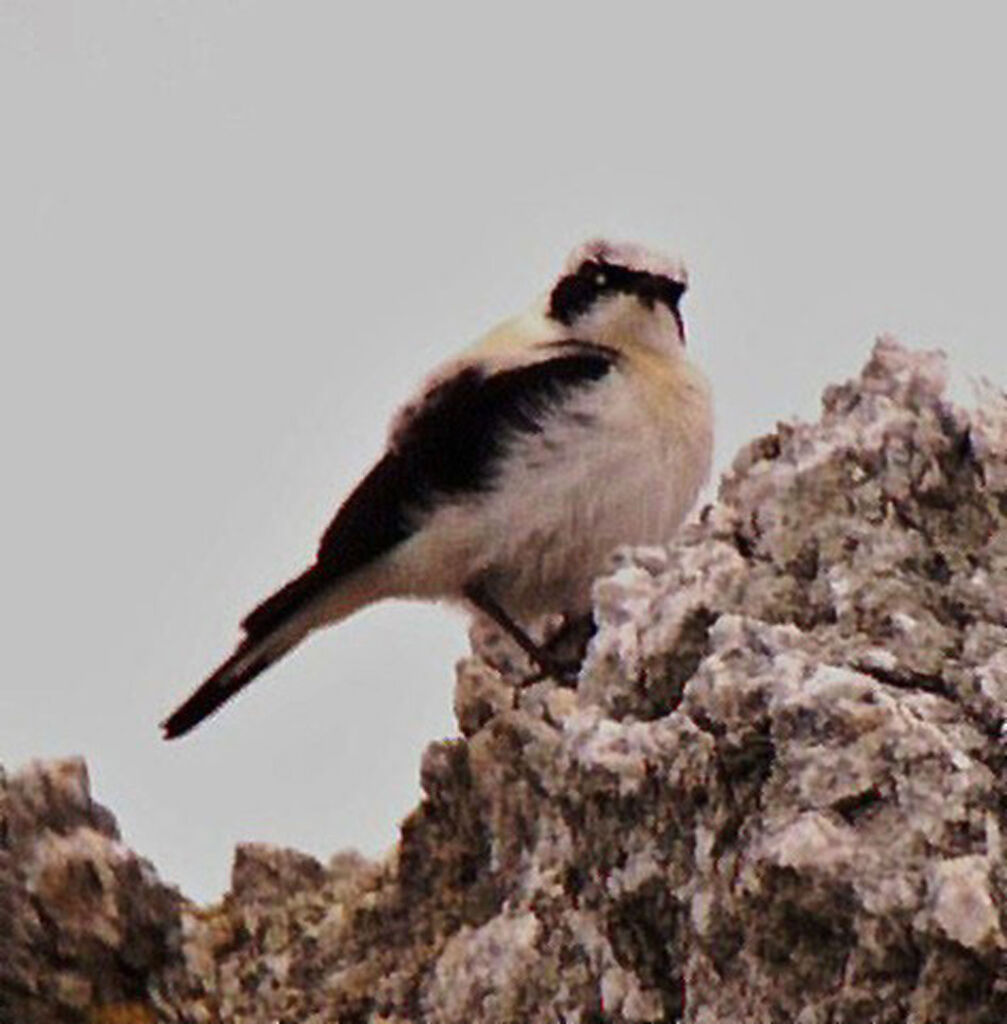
(576, 293)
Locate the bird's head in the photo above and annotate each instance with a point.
(619, 293)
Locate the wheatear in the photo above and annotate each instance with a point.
(514, 472)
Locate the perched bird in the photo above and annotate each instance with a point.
(519, 466)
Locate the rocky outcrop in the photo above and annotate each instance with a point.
(85, 924)
(776, 794)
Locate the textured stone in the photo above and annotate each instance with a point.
(776, 793)
(87, 931)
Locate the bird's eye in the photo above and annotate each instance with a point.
(600, 279)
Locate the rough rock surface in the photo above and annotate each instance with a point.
(84, 922)
(776, 795)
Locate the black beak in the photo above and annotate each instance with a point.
(668, 293)
(681, 324)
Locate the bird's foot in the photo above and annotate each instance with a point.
(562, 655)
(565, 673)
(559, 658)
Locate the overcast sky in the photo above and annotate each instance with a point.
(234, 235)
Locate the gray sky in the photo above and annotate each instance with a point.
(234, 235)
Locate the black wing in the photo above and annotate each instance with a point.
(450, 446)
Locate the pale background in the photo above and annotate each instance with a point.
(234, 234)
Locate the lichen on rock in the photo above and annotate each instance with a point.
(776, 793)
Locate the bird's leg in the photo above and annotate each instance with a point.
(547, 664)
(476, 593)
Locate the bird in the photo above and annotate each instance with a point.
(506, 483)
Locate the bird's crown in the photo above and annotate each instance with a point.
(628, 255)
(600, 268)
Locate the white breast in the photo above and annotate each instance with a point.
(621, 464)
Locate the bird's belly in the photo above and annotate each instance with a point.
(557, 518)
(563, 499)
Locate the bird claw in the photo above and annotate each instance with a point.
(566, 673)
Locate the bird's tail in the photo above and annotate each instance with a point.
(273, 629)
(252, 657)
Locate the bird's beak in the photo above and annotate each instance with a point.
(681, 324)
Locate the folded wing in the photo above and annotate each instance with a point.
(449, 447)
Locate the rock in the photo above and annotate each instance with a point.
(86, 929)
(775, 795)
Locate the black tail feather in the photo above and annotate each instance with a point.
(225, 682)
(278, 607)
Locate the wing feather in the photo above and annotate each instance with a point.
(449, 446)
